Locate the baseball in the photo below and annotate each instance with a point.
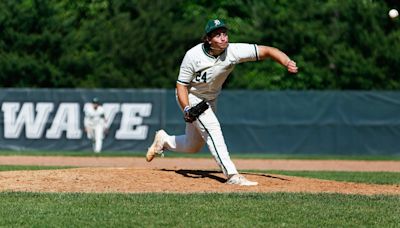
(393, 13)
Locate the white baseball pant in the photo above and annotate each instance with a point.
(206, 129)
(96, 134)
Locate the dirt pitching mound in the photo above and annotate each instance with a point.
(203, 163)
(133, 180)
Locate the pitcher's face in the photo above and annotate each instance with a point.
(218, 39)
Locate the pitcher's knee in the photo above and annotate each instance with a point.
(195, 148)
(192, 151)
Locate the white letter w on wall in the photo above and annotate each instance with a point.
(34, 126)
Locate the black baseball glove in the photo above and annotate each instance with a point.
(194, 112)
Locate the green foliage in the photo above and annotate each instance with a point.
(140, 44)
(198, 210)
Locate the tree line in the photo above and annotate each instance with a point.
(338, 44)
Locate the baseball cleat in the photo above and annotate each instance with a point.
(157, 147)
(240, 180)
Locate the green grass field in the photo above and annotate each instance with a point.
(198, 210)
(206, 209)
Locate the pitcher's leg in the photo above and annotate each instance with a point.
(210, 129)
(190, 142)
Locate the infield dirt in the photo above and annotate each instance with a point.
(181, 175)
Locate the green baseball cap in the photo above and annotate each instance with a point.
(95, 100)
(214, 24)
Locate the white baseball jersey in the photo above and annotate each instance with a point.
(205, 74)
(93, 116)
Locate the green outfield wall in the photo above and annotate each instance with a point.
(278, 122)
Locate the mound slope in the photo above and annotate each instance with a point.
(133, 180)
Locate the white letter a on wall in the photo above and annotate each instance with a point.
(66, 119)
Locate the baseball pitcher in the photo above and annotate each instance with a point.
(95, 124)
(203, 71)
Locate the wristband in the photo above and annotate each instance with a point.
(186, 108)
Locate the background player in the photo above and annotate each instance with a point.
(95, 124)
(204, 69)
